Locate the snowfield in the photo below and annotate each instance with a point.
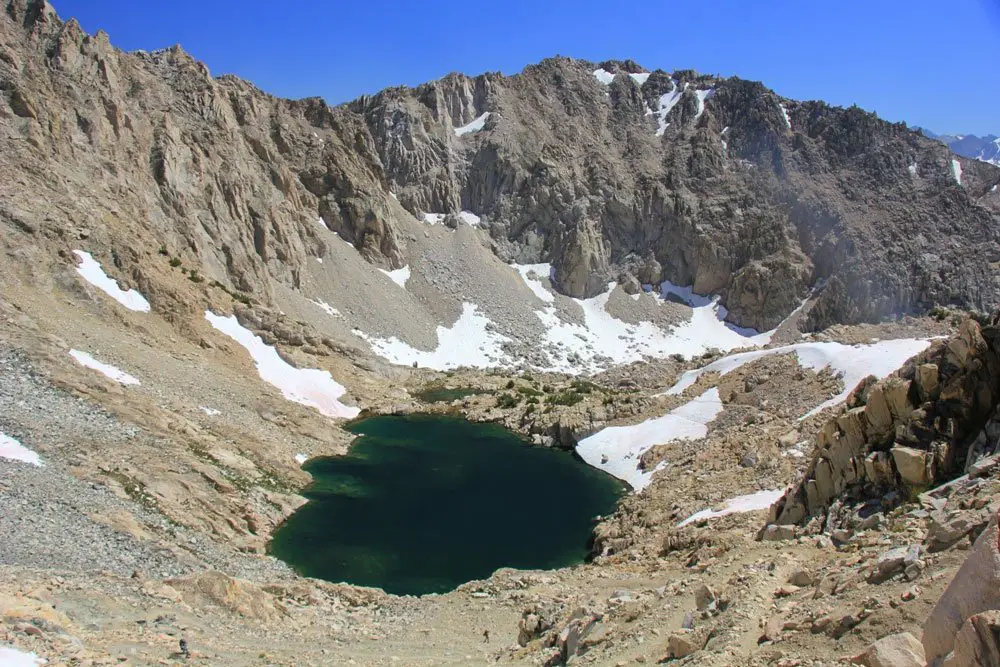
(604, 76)
(13, 450)
(617, 450)
(474, 126)
(852, 362)
(91, 271)
(603, 337)
(104, 369)
(760, 500)
(327, 308)
(469, 342)
(307, 386)
(535, 284)
(468, 217)
(11, 657)
(399, 276)
(784, 114)
(639, 77)
(667, 102)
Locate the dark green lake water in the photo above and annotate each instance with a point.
(424, 503)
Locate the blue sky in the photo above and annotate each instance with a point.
(935, 64)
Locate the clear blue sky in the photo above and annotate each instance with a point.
(929, 63)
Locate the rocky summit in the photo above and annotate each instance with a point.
(771, 319)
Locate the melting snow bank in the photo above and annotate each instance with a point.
(617, 450)
(474, 126)
(667, 102)
(604, 337)
(399, 276)
(852, 362)
(11, 657)
(468, 217)
(604, 76)
(15, 451)
(784, 114)
(748, 503)
(327, 308)
(308, 386)
(92, 272)
(301, 458)
(469, 342)
(535, 284)
(107, 370)
(956, 171)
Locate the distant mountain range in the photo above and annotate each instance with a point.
(985, 148)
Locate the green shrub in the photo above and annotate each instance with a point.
(175, 262)
(508, 401)
(510, 384)
(564, 398)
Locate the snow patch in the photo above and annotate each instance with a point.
(301, 458)
(956, 171)
(702, 95)
(535, 284)
(913, 169)
(326, 308)
(107, 370)
(639, 77)
(471, 341)
(852, 362)
(92, 272)
(760, 500)
(11, 657)
(13, 450)
(211, 412)
(617, 450)
(667, 102)
(470, 218)
(604, 76)
(399, 276)
(307, 386)
(784, 114)
(474, 126)
(722, 138)
(433, 218)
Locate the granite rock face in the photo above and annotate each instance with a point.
(925, 425)
(716, 183)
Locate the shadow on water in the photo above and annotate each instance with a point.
(423, 503)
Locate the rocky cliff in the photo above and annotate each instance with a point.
(925, 425)
(624, 175)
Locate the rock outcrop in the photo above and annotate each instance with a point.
(911, 431)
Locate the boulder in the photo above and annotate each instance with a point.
(912, 465)
(890, 561)
(899, 650)
(775, 533)
(975, 589)
(928, 381)
(703, 597)
(681, 644)
(947, 528)
(978, 642)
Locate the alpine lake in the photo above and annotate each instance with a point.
(423, 503)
